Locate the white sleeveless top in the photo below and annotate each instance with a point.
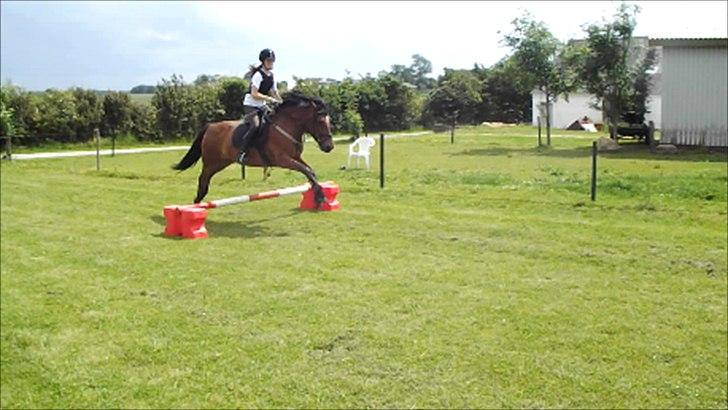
(255, 82)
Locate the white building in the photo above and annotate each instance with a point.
(688, 99)
(564, 113)
(694, 91)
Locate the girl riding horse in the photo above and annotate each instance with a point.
(281, 144)
(262, 90)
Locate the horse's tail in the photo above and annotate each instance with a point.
(194, 153)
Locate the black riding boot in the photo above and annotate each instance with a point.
(244, 147)
(247, 138)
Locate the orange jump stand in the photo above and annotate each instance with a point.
(188, 221)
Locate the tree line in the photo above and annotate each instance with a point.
(393, 100)
(397, 99)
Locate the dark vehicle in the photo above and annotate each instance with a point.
(633, 125)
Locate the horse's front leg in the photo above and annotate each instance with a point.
(300, 166)
(318, 194)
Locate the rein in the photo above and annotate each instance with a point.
(287, 135)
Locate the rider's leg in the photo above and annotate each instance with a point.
(251, 115)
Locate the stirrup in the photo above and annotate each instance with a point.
(241, 158)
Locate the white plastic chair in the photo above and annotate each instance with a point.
(360, 149)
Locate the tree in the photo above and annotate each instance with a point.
(371, 103)
(308, 86)
(206, 106)
(174, 102)
(400, 110)
(639, 93)
(537, 53)
(205, 79)
(89, 113)
(231, 96)
(56, 115)
(608, 69)
(143, 122)
(24, 108)
(342, 100)
(340, 97)
(117, 115)
(456, 97)
(415, 74)
(7, 120)
(504, 97)
(7, 124)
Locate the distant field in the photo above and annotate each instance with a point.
(141, 98)
(481, 276)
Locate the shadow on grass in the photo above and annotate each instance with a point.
(237, 229)
(628, 150)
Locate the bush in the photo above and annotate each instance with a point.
(7, 126)
(143, 122)
(231, 97)
(89, 113)
(23, 107)
(206, 106)
(117, 113)
(173, 102)
(56, 116)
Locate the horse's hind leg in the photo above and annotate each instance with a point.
(203, 182)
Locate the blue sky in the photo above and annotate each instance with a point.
(117, 45)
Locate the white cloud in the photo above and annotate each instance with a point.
(452, 34)
(155, 35)
(311, 39)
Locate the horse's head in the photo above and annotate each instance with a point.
(314, 118)
(320, 127)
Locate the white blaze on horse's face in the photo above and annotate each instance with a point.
(327, 122)
(323, 137)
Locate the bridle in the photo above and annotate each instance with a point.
(297, 143)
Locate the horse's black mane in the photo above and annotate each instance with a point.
(295, 98)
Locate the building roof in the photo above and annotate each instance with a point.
(689, 42)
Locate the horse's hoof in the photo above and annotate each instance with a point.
(318, 196)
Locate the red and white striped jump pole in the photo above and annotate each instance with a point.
(188, 221)
(254, 197)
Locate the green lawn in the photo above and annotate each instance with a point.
(481, 276)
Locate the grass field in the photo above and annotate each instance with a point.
(481, 276)
(141, 98)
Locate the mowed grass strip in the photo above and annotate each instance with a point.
(481, 276)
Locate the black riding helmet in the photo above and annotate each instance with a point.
(267, 53)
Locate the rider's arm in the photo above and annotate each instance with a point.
(276, 94)
(260, 96)
(256, 80)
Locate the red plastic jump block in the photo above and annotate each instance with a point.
(330, 190)
(172, 215)
(193, 222)
(187, 221)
